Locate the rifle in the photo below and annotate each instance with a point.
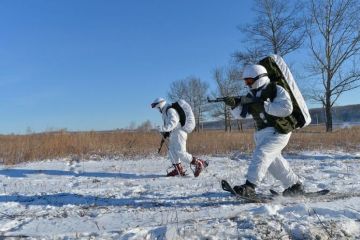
(243, 99)
(219, 99)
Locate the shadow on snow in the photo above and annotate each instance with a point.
(26, 172)
(62, 199)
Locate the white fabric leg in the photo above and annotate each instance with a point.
(177, 147)
(281, 170)
(269, 145)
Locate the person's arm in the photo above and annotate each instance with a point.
(281, 106)
(171, 121)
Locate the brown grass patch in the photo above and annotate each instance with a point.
(21, 148)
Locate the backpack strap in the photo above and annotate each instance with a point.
(180, 112)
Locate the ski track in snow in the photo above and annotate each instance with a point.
(131, 199)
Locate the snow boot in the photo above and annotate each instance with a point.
(295, 190)
(178, 170)
(199, 165)
(246, 190)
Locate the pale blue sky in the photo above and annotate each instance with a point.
(97, 65)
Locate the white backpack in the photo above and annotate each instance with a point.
(187, 119)
(279, 72)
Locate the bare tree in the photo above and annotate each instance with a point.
(334, 39)
(278, 28)
(227, 84)
(145, 126)
(178, 90)
(132, 126)
(194, 91)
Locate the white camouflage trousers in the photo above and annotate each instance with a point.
(177, 147)
(267, 157)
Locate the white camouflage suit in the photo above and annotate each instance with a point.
(178, 137)
(269, 143)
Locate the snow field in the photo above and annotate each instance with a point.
(131, 199)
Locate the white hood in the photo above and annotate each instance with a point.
(260, 82)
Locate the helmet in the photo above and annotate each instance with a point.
(158, 103)
(254, 71)
(258, 73)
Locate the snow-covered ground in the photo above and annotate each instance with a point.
(131, 199)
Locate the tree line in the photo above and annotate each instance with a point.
(327, 30)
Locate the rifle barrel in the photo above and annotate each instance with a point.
(220, 99)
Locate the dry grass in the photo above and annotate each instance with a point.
(15, 149)
(22, 148)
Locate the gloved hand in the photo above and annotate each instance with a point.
(231, 101)
(165, 134)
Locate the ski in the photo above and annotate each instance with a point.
(258, 198)
(306, 194)
(251, 199)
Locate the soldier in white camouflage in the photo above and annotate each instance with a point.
(173, 130)
(270, 106)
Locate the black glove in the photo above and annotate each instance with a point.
(165, 134)
(232, 101)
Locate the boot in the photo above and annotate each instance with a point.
(295, 190)
(178, 170)
(199, 165)
(246, 190)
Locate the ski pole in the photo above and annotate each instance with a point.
(163, 140)
(161, 144)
